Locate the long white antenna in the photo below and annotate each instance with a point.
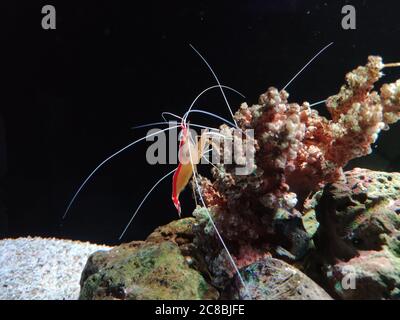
(317, 103)
(105, 161)
(216, 78)
(144, 199)
(207, 89)
(312, 59)
(163, 123)
(209, 114)
(163, 114)
(215, 227)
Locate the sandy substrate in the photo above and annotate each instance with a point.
(37, 268)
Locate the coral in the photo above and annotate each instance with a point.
(359, 234)
(297, 152)
(158, 268)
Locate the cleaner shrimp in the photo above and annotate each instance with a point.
(191, 151)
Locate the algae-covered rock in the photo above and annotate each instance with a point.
(358, 239)
(274, 279)
(354, 224)
(369, 275)
(178, 231)
(152, 269)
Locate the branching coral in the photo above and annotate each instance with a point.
(297, 152)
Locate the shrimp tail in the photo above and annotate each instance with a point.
(179, 181)
(177, 205)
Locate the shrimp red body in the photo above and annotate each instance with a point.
(189, 156)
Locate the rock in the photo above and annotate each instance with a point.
(369, 275)
(358, 239)
(181, 233)
(292, 234)
(274, 279)
(159, 268)
(178, 231)
(288, 241)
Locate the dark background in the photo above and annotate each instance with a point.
(70, 96)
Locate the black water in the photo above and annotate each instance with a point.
(69, 96)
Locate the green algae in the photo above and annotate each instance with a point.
(154, 269)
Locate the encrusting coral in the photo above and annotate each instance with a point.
(297, 152)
